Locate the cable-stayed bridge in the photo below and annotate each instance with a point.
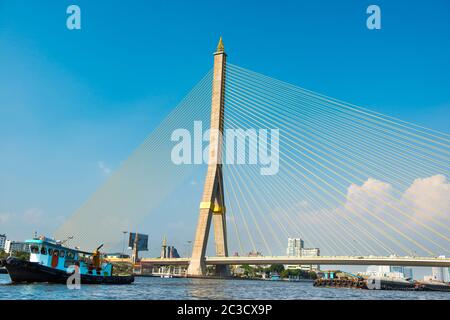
(281, 162)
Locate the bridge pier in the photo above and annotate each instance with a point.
(212, 206)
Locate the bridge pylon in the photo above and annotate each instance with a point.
(212, 205)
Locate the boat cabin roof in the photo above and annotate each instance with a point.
(54, 244)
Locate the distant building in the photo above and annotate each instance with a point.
(16, 246)
(173, 252)
(296, 248)
(168, 251)
(408, 273)
(390, 271)
(310, 252)
(2, 241)
(295, 245)
(437, 274)
(440, 274)
(254, 254)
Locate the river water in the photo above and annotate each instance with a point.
(180, 288)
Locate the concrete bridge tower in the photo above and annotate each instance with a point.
(212, 206)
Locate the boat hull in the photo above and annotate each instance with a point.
(21, 271)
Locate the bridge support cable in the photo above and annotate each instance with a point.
(245, 183)
(339, 146)
(284, 189)
(299, 147)
(270, 190)
(394, 217)
(237, 202)
(249, 209)
(302, 137)
(289, 104)
(441, 136)
(233, 217)
(294, 174)
(343, 164)
(142, 182)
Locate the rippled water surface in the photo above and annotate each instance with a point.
(159, 289)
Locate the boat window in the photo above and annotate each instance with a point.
(34, 249)
(62, 253)
(44, 250)
(70, 255)
(68, 263)
(56, 253)
(50, 251)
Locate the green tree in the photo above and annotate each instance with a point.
(285, 273)
(248, 270)
(18, 255)
(210, 270)
(278, 268)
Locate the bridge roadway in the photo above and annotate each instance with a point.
(322, 260)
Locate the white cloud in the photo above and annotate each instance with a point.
(104, 168)
(392, 217)
(425, 197)
(428, 197)
(373, 195)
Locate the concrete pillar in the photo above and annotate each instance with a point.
(212, 206)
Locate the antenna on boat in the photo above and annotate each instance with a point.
(67, 240)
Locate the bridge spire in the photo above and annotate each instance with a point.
(212, 206)
(220, 46)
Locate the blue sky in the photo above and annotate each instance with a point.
(74, 104)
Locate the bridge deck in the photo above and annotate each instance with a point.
(324, 260)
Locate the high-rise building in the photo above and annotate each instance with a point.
(16, 246)
(310, 252)
(408, 273)
(296, 248)
(440, 274)
(2, 241)
(446, 272)
(437, 274)
(295, 245)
